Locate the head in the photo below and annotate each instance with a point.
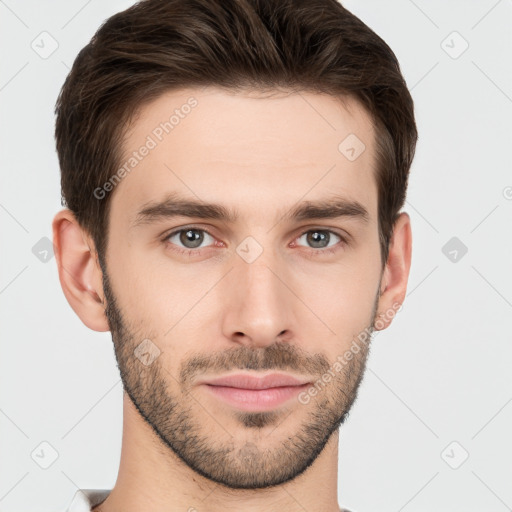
(259, 119)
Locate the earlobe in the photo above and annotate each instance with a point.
(79, 273)
(396, 273)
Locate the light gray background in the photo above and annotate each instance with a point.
(440, 374)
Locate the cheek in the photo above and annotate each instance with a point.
(342, 296)
(141, 288)
(345, 304)
(161, 295)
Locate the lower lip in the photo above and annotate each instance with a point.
(256, 399)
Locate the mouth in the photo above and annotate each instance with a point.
(250, 393)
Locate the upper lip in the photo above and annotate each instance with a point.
(245, 381)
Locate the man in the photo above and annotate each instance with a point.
(233, 173)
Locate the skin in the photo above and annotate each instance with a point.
(293, 309)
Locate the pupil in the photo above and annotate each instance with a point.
(191, 236)
(316, 236)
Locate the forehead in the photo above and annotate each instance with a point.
(254, 152)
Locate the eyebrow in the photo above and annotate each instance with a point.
(174, 205)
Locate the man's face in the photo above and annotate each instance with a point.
(263, 292)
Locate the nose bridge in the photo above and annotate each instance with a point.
(258, 305)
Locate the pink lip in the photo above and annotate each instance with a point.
(255, 393)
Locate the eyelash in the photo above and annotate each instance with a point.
(315, 252)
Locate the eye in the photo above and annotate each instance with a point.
(320, 240)
(190, 238)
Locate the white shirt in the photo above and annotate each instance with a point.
(85, 499)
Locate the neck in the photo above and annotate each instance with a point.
(152, 477)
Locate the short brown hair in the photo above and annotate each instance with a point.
(160, 45)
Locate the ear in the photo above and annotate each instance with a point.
(80, 274)
(396, 273)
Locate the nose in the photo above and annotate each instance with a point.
(259, 305)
